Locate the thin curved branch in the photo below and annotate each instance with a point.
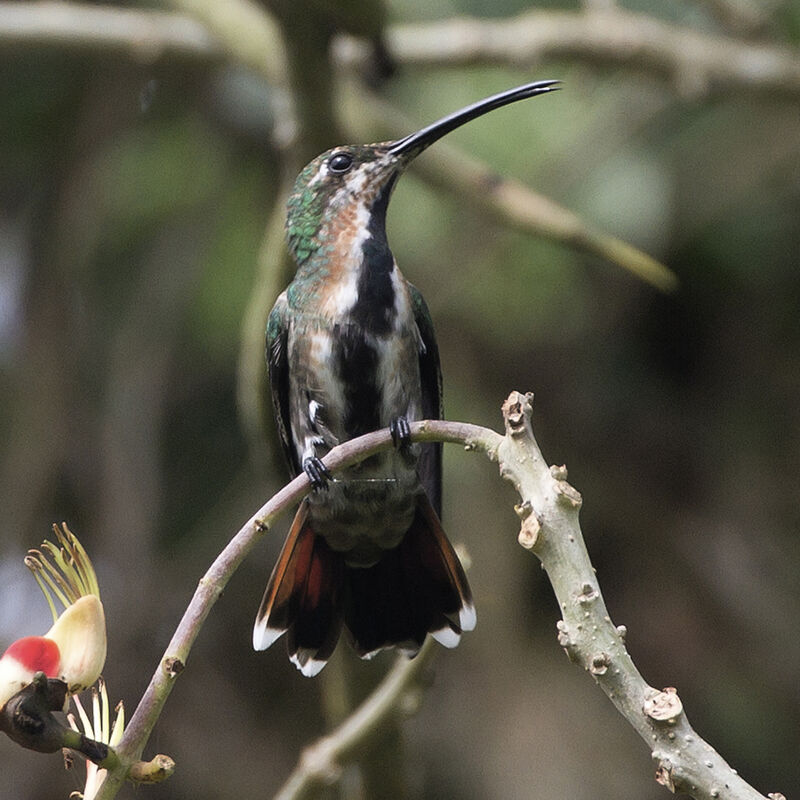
(211, 585)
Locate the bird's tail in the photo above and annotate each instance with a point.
(417, 588)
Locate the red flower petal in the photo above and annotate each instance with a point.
(36, 653)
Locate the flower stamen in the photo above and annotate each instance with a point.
(63, 571)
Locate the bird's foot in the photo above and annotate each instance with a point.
(318, 473)
(401, 434)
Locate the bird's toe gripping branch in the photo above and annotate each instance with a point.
(317, 473)
(401, 433)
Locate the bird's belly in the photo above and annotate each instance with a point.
(368, 508)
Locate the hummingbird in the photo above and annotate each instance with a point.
(351, 348)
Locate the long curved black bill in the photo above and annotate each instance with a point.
(413, 144)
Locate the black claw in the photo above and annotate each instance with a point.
(317, 472)
(401, 433)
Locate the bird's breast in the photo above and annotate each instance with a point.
(356, 380)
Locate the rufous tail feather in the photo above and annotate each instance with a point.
(415, 589)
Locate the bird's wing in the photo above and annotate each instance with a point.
(430, 373)
(278, 363)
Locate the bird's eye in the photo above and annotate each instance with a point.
(339, 163)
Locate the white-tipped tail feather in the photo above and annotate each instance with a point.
(263, 635)
(415, 589)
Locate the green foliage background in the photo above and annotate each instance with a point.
(133, 200)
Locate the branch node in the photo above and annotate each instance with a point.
(664, 706)
(664, 775)
(559, 472)
(529, 530)
(599, 665)
(565, 640)
(491, 452)
(173, 666)
(587, 594)
(524, 509)
(155, 771)
(516, 412)
(566, 493)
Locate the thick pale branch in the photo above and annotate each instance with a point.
(549, 512)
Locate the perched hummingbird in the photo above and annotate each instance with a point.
(351, 349)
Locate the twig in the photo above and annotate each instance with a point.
(507, 200)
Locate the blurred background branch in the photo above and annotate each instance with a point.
(144, 34)
(321, 763)
(694, 62)
(506, 200)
